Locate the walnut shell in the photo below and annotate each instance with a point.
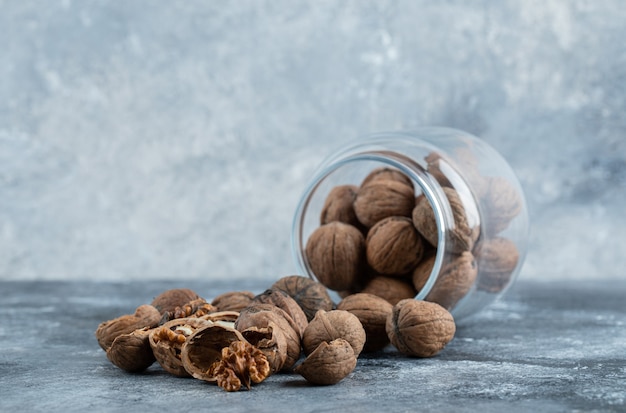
(271, 341)
(372, 311)
(387, 174)
(420, 328)
(498, 258)
(329, 363)
(454, 281)
(262, 315)
(281, 299)
(335, 252)
(381, 199)
(338, 205)
(204, 347)
(393, 246)
(144, 316)
(132, 352)
(328, 326)
(502, 204)
(168, 300)
(167, 340)
(310, 295)
(392, 289)
(232, 301)
(421, 273)
(461, 237)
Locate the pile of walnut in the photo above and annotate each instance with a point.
(381, 238)
(239, 339)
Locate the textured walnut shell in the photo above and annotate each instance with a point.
(338, 205)
(166, 350)
(372, 311)
(454, 281)
(502, 204)
(310, 295)
(168, 300)
(132, 352)
(271, 341)
(281, 299)
(204, 347)
(263, 315)
(497, 259)
(393, 246)
(329, 363)
(382, 199)
(421, 273)
(144, 316)
(328, 326)
(335, 253)
(420, 328)
(392, 289)
(232, 301)
(387, 174)
(461, 237)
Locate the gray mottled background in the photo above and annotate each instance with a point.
(172, 139)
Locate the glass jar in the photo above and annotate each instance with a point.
(468, 211)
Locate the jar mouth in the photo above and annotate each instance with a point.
(424, 181)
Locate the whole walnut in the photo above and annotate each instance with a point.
(372, 311)
(131, 352)
(311, 295)
(335, 253)
(386, 174)
(381, 199)
(338, 205)
(454, 281)
(392, 289)
(461, 237)
(393, 246)
(419, 328)
(331, 325)
(232, 300)
(498, 258)
(502, 204)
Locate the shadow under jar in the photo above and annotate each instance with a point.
(435, 214)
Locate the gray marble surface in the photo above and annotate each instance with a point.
(547, 347)
(159, 139)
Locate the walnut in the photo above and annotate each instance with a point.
(263, 315)
(329, 363)
(392, 289)
(194, 308)
(454, 281)
(240, 363)
(328, 326)
(132, 352)
(309, 294)
(386, 174)
(338, 206)
(232, 301)
(167, 341)
(204, 347)
(381, 199)
(461, 237)
(421, 273)
(144, 316)
(170, 299)
(497, 260)
(420, 328)
(372, 312)
(281, 299)
(271, 341)
(335, 252)
(393, 246)
(502, 203)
